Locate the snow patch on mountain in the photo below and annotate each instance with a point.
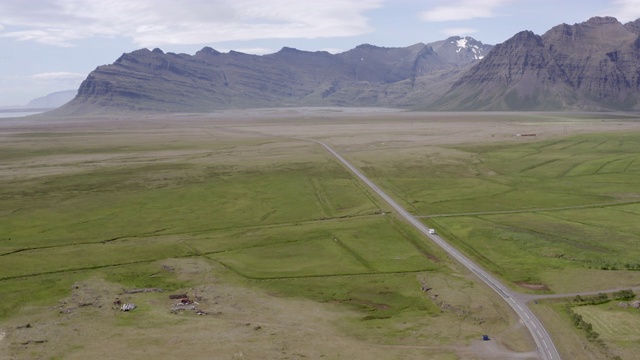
(463, 43)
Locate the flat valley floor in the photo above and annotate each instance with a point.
(283, 254)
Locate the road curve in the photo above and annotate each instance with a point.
(546, 348)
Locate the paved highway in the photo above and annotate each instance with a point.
(546, 348)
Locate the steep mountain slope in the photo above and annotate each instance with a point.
(147, 80)
(593, 65)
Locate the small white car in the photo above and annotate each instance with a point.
(432, 231)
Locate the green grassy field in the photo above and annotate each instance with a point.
(529, 210)
(612, 323)
(113, 211)
(359, 246)
(614, 329)
(119, 214)
(214, 206)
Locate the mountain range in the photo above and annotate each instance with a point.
(594, 65)
(52, 100)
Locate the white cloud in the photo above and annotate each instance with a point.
(458, 31)
(463, 10)
(56, 37)
(151, 23)
(58, 76)
(625, 10)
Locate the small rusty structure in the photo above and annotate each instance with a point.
(184, 304)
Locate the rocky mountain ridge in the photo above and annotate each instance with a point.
(52, 100)
(594, 65)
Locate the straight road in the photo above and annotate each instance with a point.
(546, 348)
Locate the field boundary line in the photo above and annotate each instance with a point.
(603, 205)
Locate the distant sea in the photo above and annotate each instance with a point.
(15, 113)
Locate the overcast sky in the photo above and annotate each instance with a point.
(52, 45)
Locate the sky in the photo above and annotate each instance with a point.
(52, 45)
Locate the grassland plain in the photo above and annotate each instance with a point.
(555, 213)
(289, 254)
(285, 251)
(613, 328)
(527, 210)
